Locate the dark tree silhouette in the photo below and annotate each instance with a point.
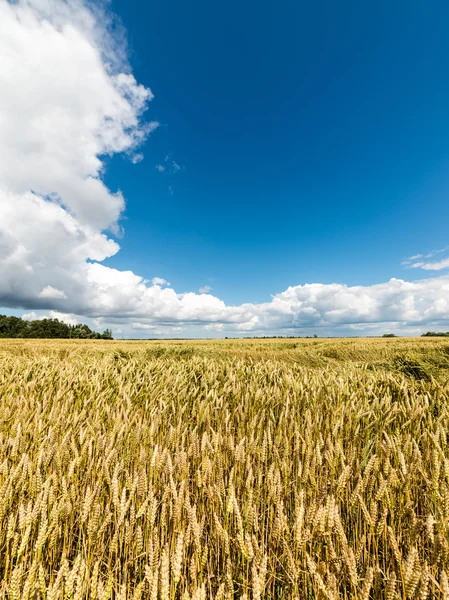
(15, 327)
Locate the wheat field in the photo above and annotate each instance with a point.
(255, 469)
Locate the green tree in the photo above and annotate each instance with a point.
(15, 327)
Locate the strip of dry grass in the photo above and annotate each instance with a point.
(232, 469)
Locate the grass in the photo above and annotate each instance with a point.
(250, 469)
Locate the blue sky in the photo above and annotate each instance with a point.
(191, 169)
(314, 141)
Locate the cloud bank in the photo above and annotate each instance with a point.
(68, 99)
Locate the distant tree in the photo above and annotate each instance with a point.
(15, 327)
(389, 335)
(436, 334)
(12, 327)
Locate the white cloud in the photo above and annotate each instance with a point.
(425, 264)
(52, 293)
(169, 168)
(80, 107)
(55, 207)
(122, 299)
(445, 249)
(432, 266)
(85, 103)
(214, 327)
(331, 305)
(156, 330)
(205, 289)
(137, 158)
(118, 294)
(53, 314)
(159, 281)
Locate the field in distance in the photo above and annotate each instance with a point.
(247, 469)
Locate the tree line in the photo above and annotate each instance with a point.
(15, 327)
(436, 334)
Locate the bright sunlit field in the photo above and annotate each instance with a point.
(255, 469)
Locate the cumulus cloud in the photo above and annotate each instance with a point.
(159, 281)
(62, 106)
(412, 303)
(205, 289)
(51, 292)
(156, 329)
(125, 297)
(68, 98)
(53, 314)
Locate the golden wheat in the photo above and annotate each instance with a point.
(257, 469)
